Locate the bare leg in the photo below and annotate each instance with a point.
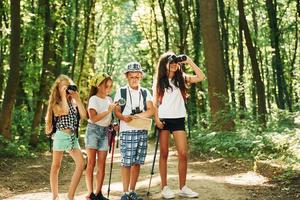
(181, 146)
(56, 163)
(91, 155)
(101, 170)
(125, 177)
(79, 162)
(135, 171)
(163, 158)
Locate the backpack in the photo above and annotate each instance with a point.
(124, 96)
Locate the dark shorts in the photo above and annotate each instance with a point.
(176, 124)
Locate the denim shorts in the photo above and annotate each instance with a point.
(133, 145)
(64, 142)
(96, 137)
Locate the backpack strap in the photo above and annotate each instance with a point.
(123, 96)
(77, 123)
(123, 91)
(144, 94)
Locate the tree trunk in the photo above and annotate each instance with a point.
(255, 68)
(225, 47)
(241, 84)
(2, 47)
(90, 5)
(75, 42)
(162, 4)
(277, 62)
(181, 21)
(217, 91)
(13, 79)
(47, 73)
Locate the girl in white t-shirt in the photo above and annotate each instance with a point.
(100, 108)
(169, 96)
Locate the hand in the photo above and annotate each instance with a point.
(159, 124)
(112, 107)
(74, 95)
(127, 118)
(187, 61)
(63, 91)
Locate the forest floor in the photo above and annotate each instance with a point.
(214, 179)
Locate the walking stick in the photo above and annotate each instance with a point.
(155, 152)
(111, 150)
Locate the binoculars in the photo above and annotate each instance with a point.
(135, 111)
(177, 59)
(71, 88)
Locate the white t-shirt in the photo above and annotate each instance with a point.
(137, 101)
(172, 105)
(100, 105)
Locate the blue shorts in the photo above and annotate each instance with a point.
(96, 137)
(64, 142)
(133, 145)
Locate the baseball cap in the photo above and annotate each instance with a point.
(133, 67)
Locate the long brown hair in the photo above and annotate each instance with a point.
(163, 80)
(54, 98)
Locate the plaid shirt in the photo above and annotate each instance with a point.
(67, 121)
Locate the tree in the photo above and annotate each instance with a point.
(47, 73)
(13, 79)
(256, 72)
(217, 90)
(283, 95)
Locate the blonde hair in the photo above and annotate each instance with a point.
(54, 98)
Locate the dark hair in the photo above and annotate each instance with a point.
(163, 80)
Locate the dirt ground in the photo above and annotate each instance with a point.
(214, 179)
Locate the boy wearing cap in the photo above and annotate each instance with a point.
(133, 141)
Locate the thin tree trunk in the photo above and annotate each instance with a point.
(181, 21)
(75, 43)
(241, 84)
(225, 47)
(162, 4)
(47, 73)
(217, 91)
(277, 62)
(255, 68)
(2, 47)
(13, 79)
(86, 36)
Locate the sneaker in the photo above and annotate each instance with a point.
(101, 197)
(125, 197)
(167, 193)
(134, 196)
(187, 192)
(92, 196)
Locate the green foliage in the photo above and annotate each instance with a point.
(278, 141)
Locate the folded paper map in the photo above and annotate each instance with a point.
(141, 123)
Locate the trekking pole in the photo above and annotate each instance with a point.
(155, 152)
(111, 150)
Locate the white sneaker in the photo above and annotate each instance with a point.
(187, 192)
(167, 193)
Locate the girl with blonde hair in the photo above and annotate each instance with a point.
(64, 105)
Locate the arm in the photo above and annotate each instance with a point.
(97, 117)
(79, 104)
(199, 74)
(118, 114)
(149, 112)
(158, 123)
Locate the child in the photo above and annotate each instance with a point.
(100, 108)
(133, 140)
(63, 106)
(169, 104)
